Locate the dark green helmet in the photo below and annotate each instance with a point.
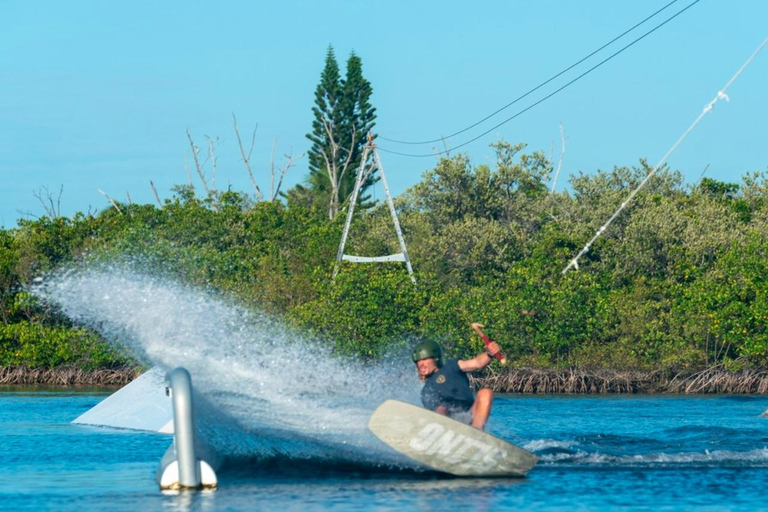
(427, 349)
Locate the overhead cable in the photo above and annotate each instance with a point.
(532, 90)
(654, 29)
(721, 95)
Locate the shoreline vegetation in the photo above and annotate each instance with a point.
(524, 381)
(68, 376)
(672, 298)
(591, 382)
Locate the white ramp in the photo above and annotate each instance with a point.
(141, 405)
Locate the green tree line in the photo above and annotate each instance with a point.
(677, 283)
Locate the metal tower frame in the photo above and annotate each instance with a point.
(362, 175)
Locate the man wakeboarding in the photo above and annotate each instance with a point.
(446, 384)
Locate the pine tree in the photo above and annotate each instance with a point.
(343, 116)
(357, 113)
(327, 116)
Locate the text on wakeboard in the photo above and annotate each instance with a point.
(433, 439)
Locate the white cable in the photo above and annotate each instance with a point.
(574, 263)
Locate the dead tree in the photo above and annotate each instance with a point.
(290, 161)
(247, 157)
(562, 155)
(52, 208)
(111, 201)
(335, 167)
(274, 191)
(210, 191)
(157, 197)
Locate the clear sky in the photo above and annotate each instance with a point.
(99, 95)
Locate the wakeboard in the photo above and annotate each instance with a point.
(446, 445)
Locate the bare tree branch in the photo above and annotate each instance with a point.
(283, 171)
(701, 177)
(334, 186)
(111, 201)
(157, 197)
(51, 209)
(562, 155)
(330, 168)
(189, 171)
(349, 155)
(334, 151)
(272, 171)
(27, 213)
(212, 157)
(336, 174)
(247, 158)
(198, 166)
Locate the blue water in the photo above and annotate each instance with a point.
(288, 418)
(597, 453)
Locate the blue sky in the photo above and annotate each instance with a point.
(99, 95)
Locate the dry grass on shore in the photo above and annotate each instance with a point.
(714, 380)
(67, 376)
(576, 381)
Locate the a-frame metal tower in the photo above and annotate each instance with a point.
(362, 175)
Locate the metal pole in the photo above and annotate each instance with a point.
(184, 429)
(351, 210)
(392, 211)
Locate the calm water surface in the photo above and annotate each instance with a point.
(597, 453)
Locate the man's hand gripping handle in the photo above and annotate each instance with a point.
(479, 329)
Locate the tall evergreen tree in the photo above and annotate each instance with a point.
(358, 114)
(343, 116)
(328, 116)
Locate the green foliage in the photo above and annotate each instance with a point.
(471, 223)
(732, 300)
(9, 278)
(367, 310)
(676, 283)
(45, 243)
(43, 346)
(718, 189)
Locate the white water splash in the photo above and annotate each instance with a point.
(545, 444)
(285, 392)
(757, 457)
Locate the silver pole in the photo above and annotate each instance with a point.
(184, 429)
(392, 211)
(351, 210)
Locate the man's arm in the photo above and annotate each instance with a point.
(480, 361)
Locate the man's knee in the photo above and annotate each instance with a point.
(484, 395)
(482, 408)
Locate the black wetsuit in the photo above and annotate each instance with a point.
(448, 387)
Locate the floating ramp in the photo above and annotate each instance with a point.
(141, 405)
